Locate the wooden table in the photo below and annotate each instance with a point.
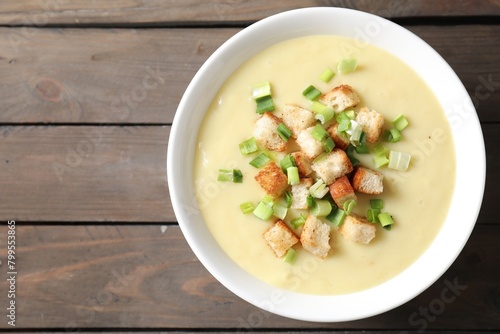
(88, 91)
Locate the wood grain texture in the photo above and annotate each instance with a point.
(147, 277)
(109, 174)
(93, 174)
(139, 76)
(81, 12)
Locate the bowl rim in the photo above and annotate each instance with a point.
(459, 109)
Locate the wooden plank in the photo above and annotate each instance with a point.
(80, 12)
(84, 173)
(139, 76)
(147, 277)
(107, 174)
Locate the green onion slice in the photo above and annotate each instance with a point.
(400, 122)
(268, 200)
(284, 132)
(230, 175)
(327, 75)
(279, 211)
(325, 115)
(372, 215)
(297, 222)
(349, 205)
(337, 217)
(293, 175)
(350, 113)
(329, 144)
(399, 160)
(319, 132)
(322, 208)
(342, 116)
(311, 93)
(376, 203)
(260, 160)
(263, 211)
(318, 189)
(288, 198)
(380, 149)
(265, 103)
(237, 176)
(350, 154)
(347, 65)
(261, 90)
(291, 256)
(344, 125)
(247, 207)
(385, 219)
(310, 201)
(395, 135)
(287, 161)
(248, 146)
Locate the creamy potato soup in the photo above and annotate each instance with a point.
(418, 199)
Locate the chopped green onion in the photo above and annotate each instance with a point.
(362, 148)
(311, 93)
(399, 160)
(325, 115)
(327, 75)
(247, 207)
(380, 149)
(248, 146)
(349, 205)
(395, 135)
(288, 198)
(376, 203)
(317, 107)
(261, 90)
(265, 103)
(268, 200)
(337, 217)
(329, 144)
(342, 116)
(380, 160)
(350, 113)
(356, 133)
(385, 219)
(372, 215)
(344, 125)
(322, 208)
(297, 222)
(293, 175)
(279, 211)
(310, 201)
(291, 256)
(347, 65)
(319, 189)
(319, 132)
(230, 175)
(287, 161)
(260, 160)
(400, 122)
(284, 132)
(319, 158)
(350, 154)
(263, 211)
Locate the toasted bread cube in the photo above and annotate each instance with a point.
(280, 238)
(357, 229)
(297, 118)
(332, 166)
(300, 192)
(340, 98)
(272, 179)
(266, 135)
(341, 191)
(341, 141)
(308, 144)
(368, 181)
(371, 122)
(303, 163)
(315, 237)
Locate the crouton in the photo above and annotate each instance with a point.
(315, 237)
(341, 141)
(357, 229)
(371, 122)
(341, 191)
(266, 135)
(332, 166)
(300, 192)
(368, 181)
(340, 98)
(272, 179)
(308, 144)
(297, 118)
(280, 238)
(303, 163)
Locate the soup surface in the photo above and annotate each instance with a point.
(418, 199)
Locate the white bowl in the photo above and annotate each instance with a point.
(467, 136)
